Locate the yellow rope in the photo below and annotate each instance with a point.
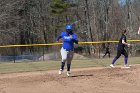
(53, 44)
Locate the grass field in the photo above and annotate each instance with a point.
(87, 76)
(10, 67)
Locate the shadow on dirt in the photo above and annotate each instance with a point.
(81, 75)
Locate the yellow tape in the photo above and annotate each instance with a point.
(53, 44)
(50, 44)
(100, 42)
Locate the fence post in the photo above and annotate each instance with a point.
(43, 52)
(14, 55)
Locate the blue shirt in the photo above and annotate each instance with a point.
(68, 43)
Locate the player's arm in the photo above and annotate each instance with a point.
(125, 43)
(74, 39)
(59, 37)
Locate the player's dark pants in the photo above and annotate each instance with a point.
(107, 53)
(121, 50)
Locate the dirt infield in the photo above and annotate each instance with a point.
(85, 80)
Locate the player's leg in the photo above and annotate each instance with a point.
(64, 57)
(108, 54)
(105, 54)
(125, 59)
(115, 58)
(69, 59)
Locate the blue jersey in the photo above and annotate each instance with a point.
(68, 42)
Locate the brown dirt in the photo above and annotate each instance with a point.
(84, 80)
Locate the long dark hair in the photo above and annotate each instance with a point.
(124, 31)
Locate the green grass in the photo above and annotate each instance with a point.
(53, 65)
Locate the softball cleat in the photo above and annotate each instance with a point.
(68, 73)
(126, 66)
(112, 66)
(60, 72)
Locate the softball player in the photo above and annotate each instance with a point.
(121, 49)
(69, 38)
(107, 51)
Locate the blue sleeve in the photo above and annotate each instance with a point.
(59, 37)
(74, 38)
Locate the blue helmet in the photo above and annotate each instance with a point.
(68, 27)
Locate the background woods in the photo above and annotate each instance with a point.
(40, 21)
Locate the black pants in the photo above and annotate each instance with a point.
(121, 50)
(107, 53)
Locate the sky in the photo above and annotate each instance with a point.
(123, 2)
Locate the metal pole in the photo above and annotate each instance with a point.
(14, 55)
(43, 52)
